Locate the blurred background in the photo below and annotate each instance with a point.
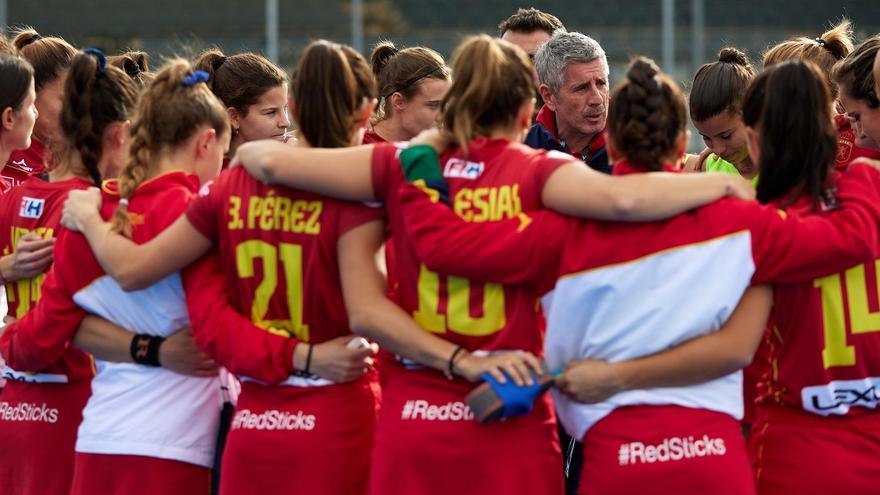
(679, 34)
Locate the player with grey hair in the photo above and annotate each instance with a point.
(573, 72)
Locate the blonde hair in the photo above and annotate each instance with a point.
(824, 51)
(493, 79)
(168, 114)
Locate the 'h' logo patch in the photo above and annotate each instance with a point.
(31, 207)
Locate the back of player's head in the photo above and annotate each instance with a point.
(529, 21)
(789, 106)
(855, 73)
(402, 71)
(96, 95)
(561, 50)
(6, 47)
(239, 80)
(647, 115)
(136, 64)
(824, 51)
(493, 80)
(720, 86)
(175, 105)
(49, 56)
(16, 75)
(332, 85)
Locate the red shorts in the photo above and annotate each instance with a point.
(427, 442)
(104, 474)
(797, 452)
(300, 440)
(666, 450)
(38, 424)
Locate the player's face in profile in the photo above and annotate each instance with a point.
(267, 118)
(422, 110)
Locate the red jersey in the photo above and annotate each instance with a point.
(498, 179)
(823, 347)
(281, 245)
(373, 137)
(847, 151)
(34, 207)
(22, 164)
(41, 339)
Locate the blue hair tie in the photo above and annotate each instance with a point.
(102, 60)
(198, 76)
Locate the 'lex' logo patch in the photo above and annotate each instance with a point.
(461, 169)
(31, 207)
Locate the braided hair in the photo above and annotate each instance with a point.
(647, 115)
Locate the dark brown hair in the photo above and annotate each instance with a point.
(239, 80)
(168, 114)
(530, 20)
(16, 75)
(401, 71)
(824, 51)
(493, 79)
(856, 72)
(719, 86)
(94, 97)
(49, 56)
(333, 82)
(788, 104)
(136, 64)
(647, 115)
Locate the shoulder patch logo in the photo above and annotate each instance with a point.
(456, 168)
(31, 207)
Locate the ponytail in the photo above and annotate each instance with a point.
(493, 79)
(170, 111)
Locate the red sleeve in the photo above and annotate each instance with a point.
(791, 249)
(230, 338)
(204, 211)
(352, 215)
(549, 164)
(383, 164)
(44, 334)
(530, 243)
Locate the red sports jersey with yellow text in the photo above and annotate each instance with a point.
(823, 346)
(496, 180)
(280, 245)
(773, 247)
(23, 164)
(34, 207)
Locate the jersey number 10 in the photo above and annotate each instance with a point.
(457, 317)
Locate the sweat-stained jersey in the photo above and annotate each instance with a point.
(134, 409)
(618, 291)
(34, 207)
(280, 246)
(22, 165)
(823, 344)
(498, 179)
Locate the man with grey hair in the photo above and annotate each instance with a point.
(573, 72)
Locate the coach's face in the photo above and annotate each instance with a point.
(581, 104)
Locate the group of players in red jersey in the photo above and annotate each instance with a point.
(124, 330)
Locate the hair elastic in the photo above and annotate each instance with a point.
(98, 54)
(34, 38)
(198, 76)
(821, 42)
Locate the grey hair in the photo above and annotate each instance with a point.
(562, 49)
